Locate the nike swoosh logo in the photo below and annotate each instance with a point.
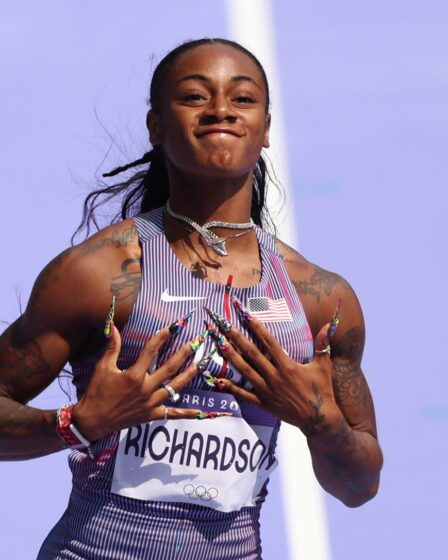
(169, 298)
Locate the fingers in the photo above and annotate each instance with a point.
(174, 413)
(177, 383)
(250, 354)
(322, 348)
(249, 351)
(262, 334)
(239, 392)
(112, 351)
(150, 349)
(170, 368)
(268, 341)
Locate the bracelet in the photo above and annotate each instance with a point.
(68, 432)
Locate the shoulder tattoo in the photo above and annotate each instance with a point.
(319, 282)
(122, 238)
(127, 283)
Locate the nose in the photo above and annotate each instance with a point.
(219, 109)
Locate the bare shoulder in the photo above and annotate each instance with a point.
(67, 308)
(116, 236)
(74, 290)
(319, 289)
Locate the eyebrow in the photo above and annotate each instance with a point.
(206, 79)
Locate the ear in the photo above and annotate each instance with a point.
(267, 129)
(153, 125)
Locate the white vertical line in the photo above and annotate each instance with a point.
(250, 24)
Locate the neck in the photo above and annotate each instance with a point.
(211, 198)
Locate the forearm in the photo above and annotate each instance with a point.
(347, 463)
(26, 432)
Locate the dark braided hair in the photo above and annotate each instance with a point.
(148, 188)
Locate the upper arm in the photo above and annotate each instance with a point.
(33, 349)
(29, 361)
(65, 315)
(319, 291)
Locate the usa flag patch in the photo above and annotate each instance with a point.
(269, 310)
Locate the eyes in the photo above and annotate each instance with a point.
(199, 98)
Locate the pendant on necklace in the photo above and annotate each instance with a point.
(220, 248)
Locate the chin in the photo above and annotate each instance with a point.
(221, 159)
(219, 163)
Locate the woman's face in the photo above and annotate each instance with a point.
(213, 119)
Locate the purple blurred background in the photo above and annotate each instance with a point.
(364, 90)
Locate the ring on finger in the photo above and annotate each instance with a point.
(326, 350)
(174, 395)
(165, 412)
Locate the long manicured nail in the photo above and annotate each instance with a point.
(220, 321)
(211, 329)
(205, 360)
(110, 319)
(334, 321)
(178, 325)
(221, 341)
(244, 314)
(211, 415)
(209, 379)
(219, 383)
(196, 342)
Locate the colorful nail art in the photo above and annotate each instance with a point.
(178, 325)
(205, 360)
(211, 415)
(196, 342)
(223, 344)
(110, 319)
(209, 379)
(220, 321)
(334, 321)
(210, 328)
(219, 383)
(221, 341)
(244, 314)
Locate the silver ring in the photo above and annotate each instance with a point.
(165, 413)
(326, 350)
(174, 395)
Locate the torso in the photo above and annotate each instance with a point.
(120, 275)
(168, 291)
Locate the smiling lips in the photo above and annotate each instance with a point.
(218, 130)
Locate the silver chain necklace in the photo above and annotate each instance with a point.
(218, 244)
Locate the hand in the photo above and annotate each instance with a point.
(300, 394)
(116, 399)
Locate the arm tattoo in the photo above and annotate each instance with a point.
(350, 386)
(23, 366)
(127, 284)
(312, 425)
(117, 239)
(320, 281)
(346, 441)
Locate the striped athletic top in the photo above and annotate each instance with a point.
(186, 490)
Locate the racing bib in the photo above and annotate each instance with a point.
(221, 463)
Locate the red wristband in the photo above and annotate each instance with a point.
(67, 431)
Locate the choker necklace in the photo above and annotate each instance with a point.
(218, 244)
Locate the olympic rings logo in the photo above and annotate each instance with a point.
(200, 492)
